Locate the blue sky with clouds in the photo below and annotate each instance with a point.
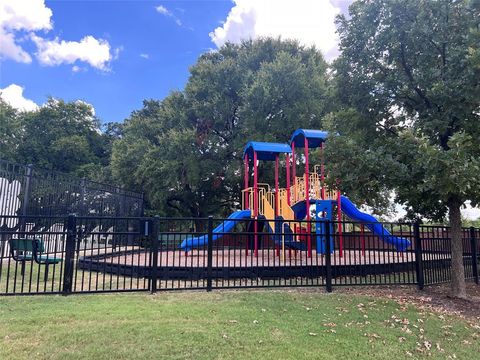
(115, 54)
(150, 51)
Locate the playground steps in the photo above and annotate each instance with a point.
(284, 233)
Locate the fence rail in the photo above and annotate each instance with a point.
(28, 190)
(80, 254)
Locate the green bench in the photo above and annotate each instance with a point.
(23, 250)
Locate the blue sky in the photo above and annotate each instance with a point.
(154, 52)
(115, 54)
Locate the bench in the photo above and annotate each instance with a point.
(23, 250)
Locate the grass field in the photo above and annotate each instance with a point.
(224, 325)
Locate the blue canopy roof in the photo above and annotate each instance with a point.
(315, 138)
(265, 150)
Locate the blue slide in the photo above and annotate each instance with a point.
(218, 232)
(373, 225)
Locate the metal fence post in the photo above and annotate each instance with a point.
(328, 257)
(418, 256)
(473, 245)
(69, 254)
(153, 236)
(210, 253)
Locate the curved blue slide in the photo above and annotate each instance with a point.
(218, 232)
(373, 225)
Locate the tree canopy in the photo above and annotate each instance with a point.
(408, 90)
(10, 131)
(62, 136)
(186, 150)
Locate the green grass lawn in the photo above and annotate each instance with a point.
(224, 325)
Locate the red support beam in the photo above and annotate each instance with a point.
(276, 186)
(294, 167)
(276, 196)
(287, 160)
(307, 201)
(322, 171)
(362, 238)
(245, 186)
(246, 194)
(339, 218)
(255, 203)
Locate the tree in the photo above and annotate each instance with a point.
(63, 136)
(409, 95)
(10, 131)
(186, 150)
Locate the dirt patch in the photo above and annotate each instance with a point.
(435, 298)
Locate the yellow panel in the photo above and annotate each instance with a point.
(268, 210)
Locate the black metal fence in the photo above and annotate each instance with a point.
(111, 254)
(27, 190)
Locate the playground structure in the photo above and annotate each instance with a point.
(298, 232)
(287, 212)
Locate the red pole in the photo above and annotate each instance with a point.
(246, 181)
(307, 200)
(276, 185)
(276, 197)
(294, 164)
(322, 171)
(339, 218)
(362, 238)
(287, 160)
(255, 203)
(246, 194)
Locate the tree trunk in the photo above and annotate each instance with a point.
(458, 273)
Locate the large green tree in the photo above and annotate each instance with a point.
(186, 150)
(408, 85)
(10, 131)
(63, 136)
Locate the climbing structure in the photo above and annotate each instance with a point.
(286, 211)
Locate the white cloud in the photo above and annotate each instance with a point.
(10, 50)
(95, 52)
(21, 16)
(163, 10)
(145, 56)
(13, 95)
(309, 21)
(26, 14)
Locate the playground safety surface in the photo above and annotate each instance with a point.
(234, 263)
(238, 257)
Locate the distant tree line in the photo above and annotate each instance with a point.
(61, 136)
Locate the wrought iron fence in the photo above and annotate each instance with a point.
(28, 190)
(75, 254)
